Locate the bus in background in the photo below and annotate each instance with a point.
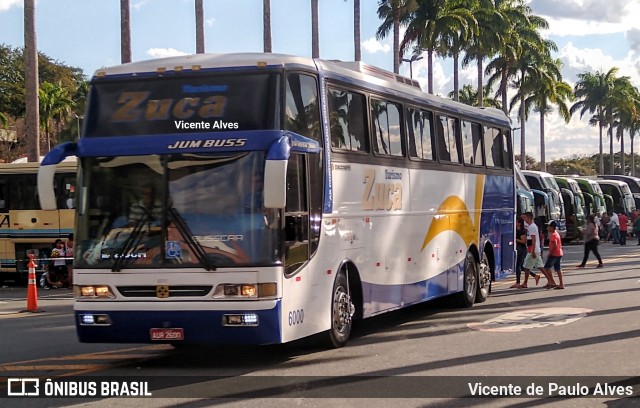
(543, 181)
(574, 205)
(25, 228)
(632, 182)
(622, 198)
(525, 200)
(593, 195)
(289, 197)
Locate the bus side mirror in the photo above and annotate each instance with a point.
(275, 183)
(47, 171)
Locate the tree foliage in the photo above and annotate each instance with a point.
(12, 78)
(63, 89)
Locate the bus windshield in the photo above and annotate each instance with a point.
(203, 211)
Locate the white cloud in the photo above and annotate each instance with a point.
(139, 4)
(209, 22)
(579, 60)
(588, 17)
(164, 52)
(373, 46)
(7, 4)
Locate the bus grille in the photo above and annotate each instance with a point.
(174, 291)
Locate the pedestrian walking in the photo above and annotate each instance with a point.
(555, 254)
(624, 225)
(591, 241)
(521, 249)
(533, 259)
(614, 227)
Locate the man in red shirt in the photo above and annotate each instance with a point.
(555, 254)
(624, 220)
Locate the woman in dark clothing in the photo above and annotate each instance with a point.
(591, 241)
(521, 249)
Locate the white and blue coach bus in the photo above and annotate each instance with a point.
(263, 198)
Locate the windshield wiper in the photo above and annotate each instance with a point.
(193, 245)
(131, 241)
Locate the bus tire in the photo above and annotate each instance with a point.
(484, 279)
(342, 310)
(467, 297)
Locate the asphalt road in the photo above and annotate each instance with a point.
(551, 343)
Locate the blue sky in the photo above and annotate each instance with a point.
(591, 35)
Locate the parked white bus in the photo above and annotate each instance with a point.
(276, 197)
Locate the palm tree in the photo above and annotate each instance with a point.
(634, 128)
(433, 23)
(486, 39)
(621, 113)
(31, 81)
(315, 36)
(356, 30)
(125, 32)
(469, 96)
(591, 92)
(199, 26)
(522, 33)
(3, 120)
(530, 68)
(453, 40)
(551, 89)
(266, 25)
(55, 105)
(393, 13)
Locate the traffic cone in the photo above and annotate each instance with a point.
(32, 289)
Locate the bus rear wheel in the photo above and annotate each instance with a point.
(470, 282)
(342, 311)
(484, 279)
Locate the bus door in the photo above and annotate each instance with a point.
(296, 215)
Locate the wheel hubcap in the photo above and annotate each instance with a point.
(343, 310)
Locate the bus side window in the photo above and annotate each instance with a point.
(385, 125)
(347, 120)
(442, 139)
(302, 113)
(420, 134)
(472, 143)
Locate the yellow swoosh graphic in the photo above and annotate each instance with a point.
(453, 215)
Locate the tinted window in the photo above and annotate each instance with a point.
(446, 129)
(493, 147)
(347, 120)
(420, 137)
(386, 127)
(506, 150)
(472, 143)
(302, 115)
(534, 183)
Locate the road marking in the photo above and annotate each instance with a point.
(531, 319)
(85, 363)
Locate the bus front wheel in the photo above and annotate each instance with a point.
(342, 311)
(470, 282)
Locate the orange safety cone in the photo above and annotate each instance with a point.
(32, 289)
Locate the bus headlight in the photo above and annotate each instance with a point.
(92, 291)
(245, 290)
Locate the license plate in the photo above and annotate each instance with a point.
(167, 334)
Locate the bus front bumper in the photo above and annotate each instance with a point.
(136, 324)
